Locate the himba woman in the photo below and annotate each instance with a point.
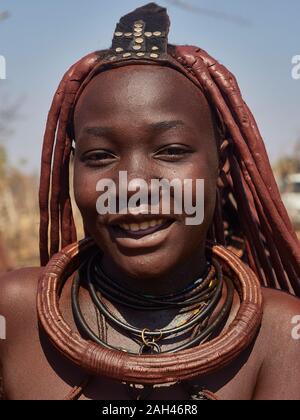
(147, 306)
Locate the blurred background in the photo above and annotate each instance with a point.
(257, 40)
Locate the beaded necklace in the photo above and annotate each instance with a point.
(158, 368)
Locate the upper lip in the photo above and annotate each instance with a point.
(139, 218)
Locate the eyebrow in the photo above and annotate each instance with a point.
(98, 131)
(167, 125)
(160, 126)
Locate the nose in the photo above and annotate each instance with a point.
(140, 170)
(135, 177)
(138, 165)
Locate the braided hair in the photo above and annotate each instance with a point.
(248, 199)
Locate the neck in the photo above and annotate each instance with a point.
(174, 280)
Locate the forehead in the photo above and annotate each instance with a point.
(137, 94)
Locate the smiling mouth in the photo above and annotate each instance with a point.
(144, 228)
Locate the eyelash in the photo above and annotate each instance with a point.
(183, 151)
(98, 158)
(104, 157)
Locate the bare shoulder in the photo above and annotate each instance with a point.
(17, 299)
(280, 309)
(280, 373)
(280, 319)
(18, 288)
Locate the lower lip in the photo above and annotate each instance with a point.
(151, 237)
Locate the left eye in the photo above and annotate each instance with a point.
(100, 156)
(172, 153)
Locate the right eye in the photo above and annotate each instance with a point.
(99, 158)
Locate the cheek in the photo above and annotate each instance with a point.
(207, 192)
(85, 193)
(201, 169)
(210, 191)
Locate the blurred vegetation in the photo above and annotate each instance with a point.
(18, 202)
(287, 165)
(19, 212)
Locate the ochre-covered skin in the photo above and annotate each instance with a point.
(141, 141)
(154, 369)
(33, 369)
(249, 175)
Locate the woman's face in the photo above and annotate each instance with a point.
(153, 123)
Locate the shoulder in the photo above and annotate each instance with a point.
(280, 309)
(280, 338)
(17, 300)
(281, 314)
(18, 287)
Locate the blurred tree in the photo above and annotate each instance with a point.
(288, 165)
(18, 205)
(7, 116)
(3, 15)
(296, 153)
(3, 158)
(18, 199)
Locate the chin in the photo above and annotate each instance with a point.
(150, 266)
(151, 252)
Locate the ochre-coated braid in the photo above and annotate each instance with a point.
(272, 249)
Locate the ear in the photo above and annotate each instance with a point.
(224, 165)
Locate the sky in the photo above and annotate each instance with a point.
(41, 39)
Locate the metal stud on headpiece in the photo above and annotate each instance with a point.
(142, 33)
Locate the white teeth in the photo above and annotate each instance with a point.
(135, 227)
(144, 225)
